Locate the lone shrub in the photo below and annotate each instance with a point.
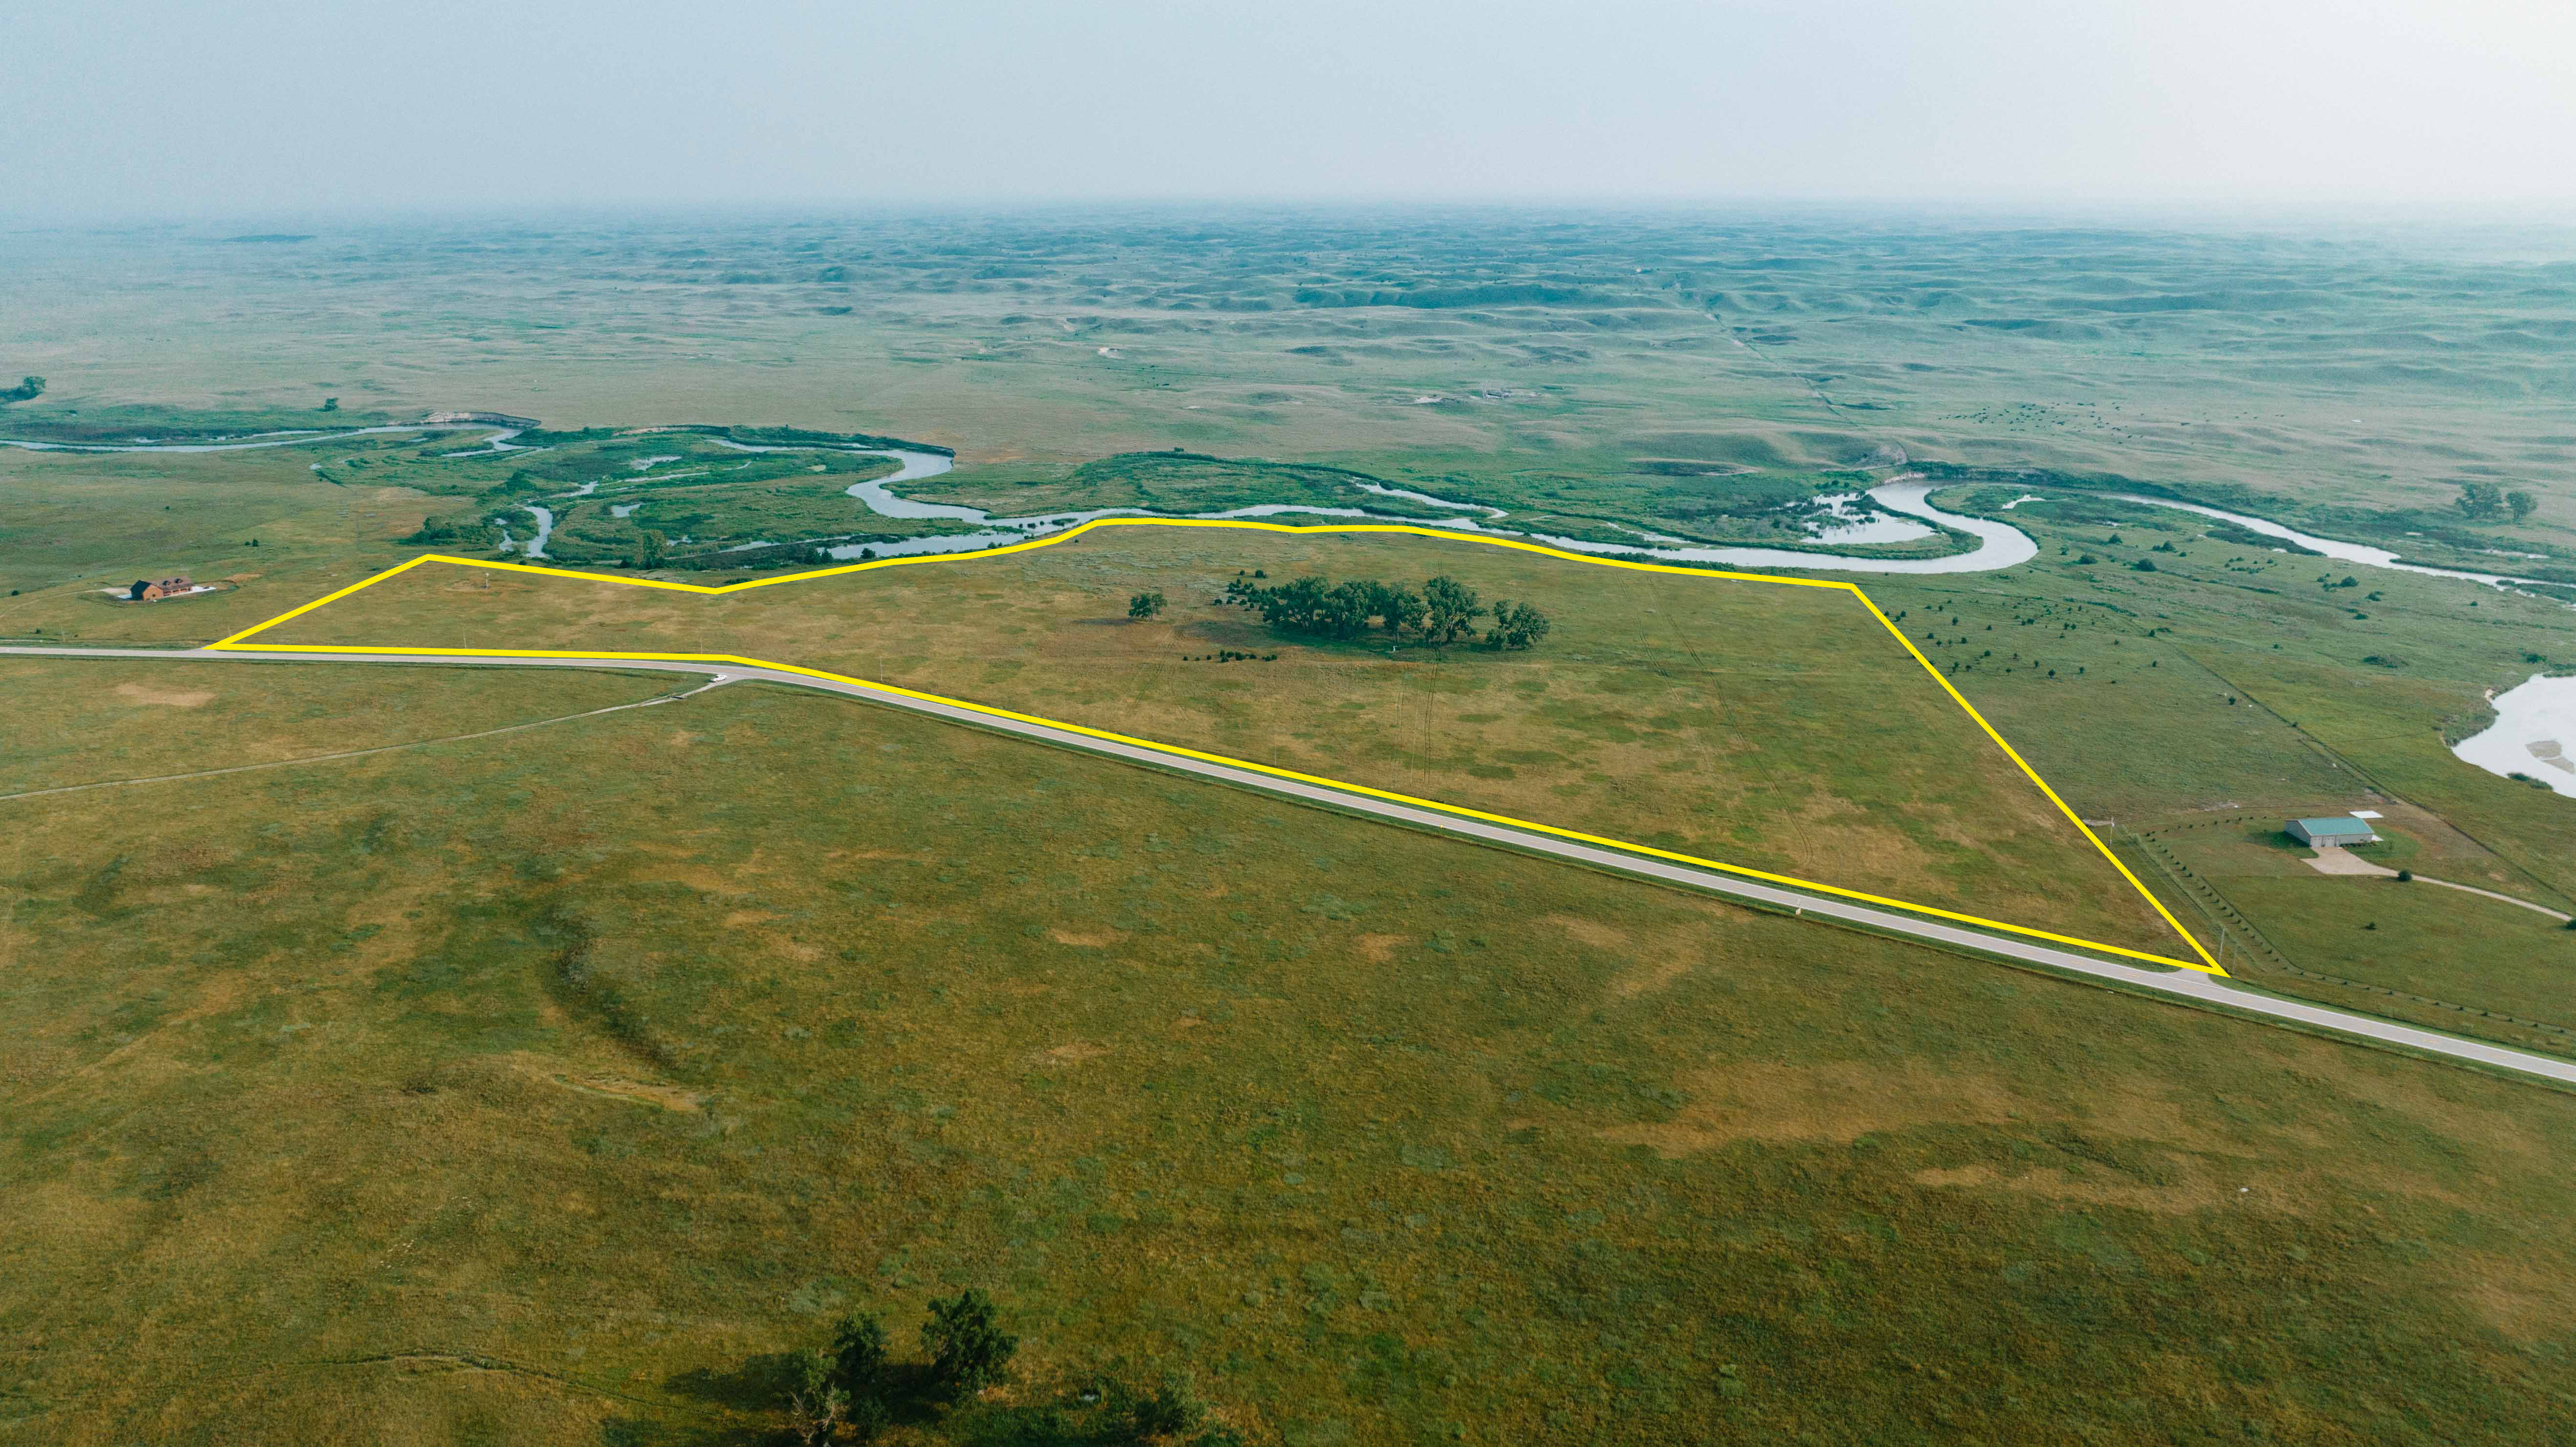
(816, 1407)
(859, 1357)
(1167, 1411)
(968, 1348)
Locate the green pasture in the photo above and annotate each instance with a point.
(1765, 724)
(549, 1087)
(77, 722)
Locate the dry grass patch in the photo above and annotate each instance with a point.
(165, 697)
(665, 1097)
(1073, 1053)
(1379, 949)
(2197, 1193)
(1648, 961)
(2517, 1296)
(1808, 1104)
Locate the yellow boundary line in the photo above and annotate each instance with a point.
(235, 643)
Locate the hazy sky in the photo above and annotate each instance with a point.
(175, 107)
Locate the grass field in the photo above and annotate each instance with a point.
(1763, 724)
(2389, 663)
(2341, 697)
(551, 1084)
(2427, 941)
(84, 722)
(261, 523)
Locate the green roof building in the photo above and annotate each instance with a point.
(2332, 832)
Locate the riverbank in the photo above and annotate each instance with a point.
(2533, 736)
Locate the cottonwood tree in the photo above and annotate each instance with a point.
(2522, 503)
(1397, 606)
(1312, 605)
(1444, 612)
(1145, 605)
(1449, 611)
(816, 1406)
(1517, 625)
(1347, 609)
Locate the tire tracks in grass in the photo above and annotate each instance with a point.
(354, 753)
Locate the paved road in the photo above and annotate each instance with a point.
(2188, 985)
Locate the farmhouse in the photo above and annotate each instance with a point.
(153, 592)
(2332, 832)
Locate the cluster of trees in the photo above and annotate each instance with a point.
(2487, 501)
(27, 390)
(856, 1384)
(855, 1389)
(471, 528)
(1442, 612)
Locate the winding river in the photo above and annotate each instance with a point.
(2368, 557)
(1999, 544)
(2534, 733)
(499, 441)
